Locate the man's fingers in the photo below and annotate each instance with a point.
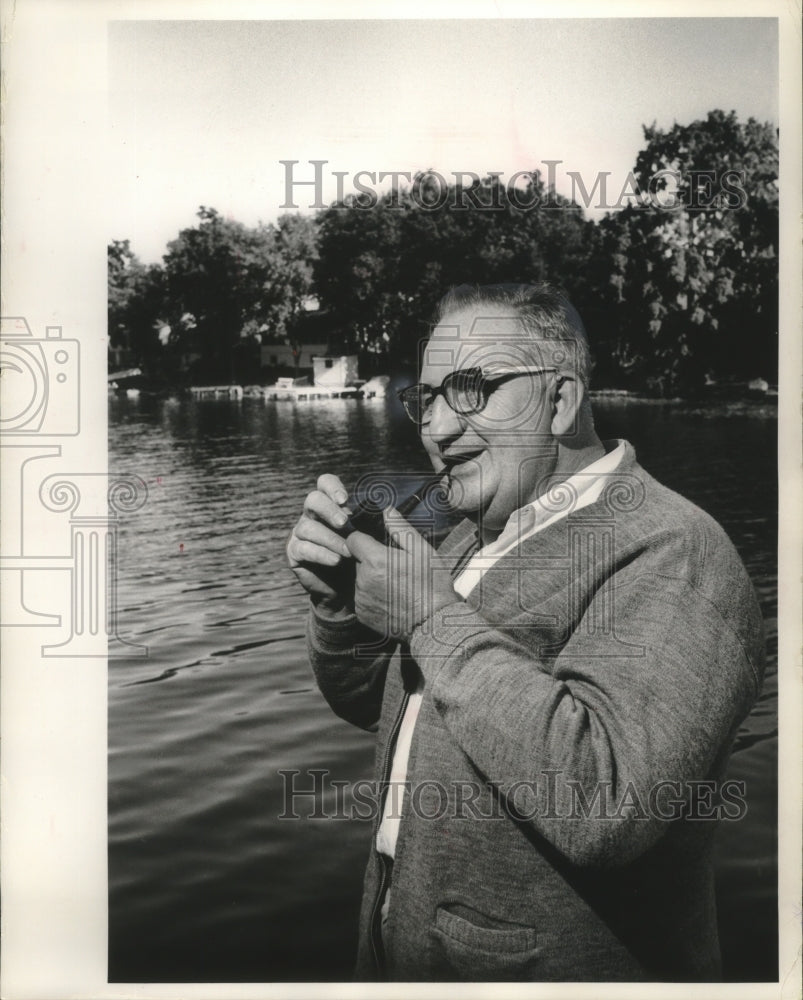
(332, 487)
(363, 547)
(322, 506)
(302, 551)
(311, 530)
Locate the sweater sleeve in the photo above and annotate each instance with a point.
(350, 663)
(617, 715)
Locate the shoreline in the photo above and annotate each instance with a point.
(714, 406)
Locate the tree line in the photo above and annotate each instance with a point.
(678, 285)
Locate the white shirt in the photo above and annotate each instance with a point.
(580, 490)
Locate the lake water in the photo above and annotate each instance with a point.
(206, 883)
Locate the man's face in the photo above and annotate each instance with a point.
(495, 458)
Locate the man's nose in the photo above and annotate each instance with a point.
(444, 424)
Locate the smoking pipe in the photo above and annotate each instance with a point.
(366, 513)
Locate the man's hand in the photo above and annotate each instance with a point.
(398, 588)
(318, 555)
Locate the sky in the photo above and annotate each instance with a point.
(203, 112)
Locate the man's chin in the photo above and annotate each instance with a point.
(462, 496)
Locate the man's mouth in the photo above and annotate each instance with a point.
(457, 459)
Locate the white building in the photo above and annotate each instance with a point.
(334, 372)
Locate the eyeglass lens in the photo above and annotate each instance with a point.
(463, 391)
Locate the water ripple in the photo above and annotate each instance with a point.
(216, 655)
(205, 882)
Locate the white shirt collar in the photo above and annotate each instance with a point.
(568, 495)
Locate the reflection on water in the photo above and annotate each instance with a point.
(206, 882)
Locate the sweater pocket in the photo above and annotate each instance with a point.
(477, 948)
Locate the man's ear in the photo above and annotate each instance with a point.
(567, 401)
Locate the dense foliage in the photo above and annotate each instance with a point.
(678, 284)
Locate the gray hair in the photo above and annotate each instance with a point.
(544, 314)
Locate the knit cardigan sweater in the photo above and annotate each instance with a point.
(566, 767)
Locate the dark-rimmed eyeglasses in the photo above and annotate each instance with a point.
(466, 391)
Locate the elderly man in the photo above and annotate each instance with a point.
(556, 688)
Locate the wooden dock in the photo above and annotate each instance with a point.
(288, 392)
(229, 391)
(299, 392)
